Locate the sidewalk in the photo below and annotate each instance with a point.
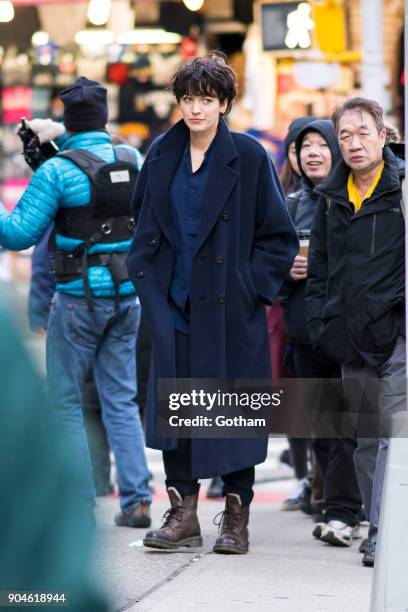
(286, 569)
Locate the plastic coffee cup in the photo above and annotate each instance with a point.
(304, 239)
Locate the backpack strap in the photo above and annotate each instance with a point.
(126, 156)
(89, 163)
(292, 202)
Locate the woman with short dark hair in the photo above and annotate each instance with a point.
(213, 244)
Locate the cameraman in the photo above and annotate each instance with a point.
(95, 313)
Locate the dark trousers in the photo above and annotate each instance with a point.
(334, 456)
(298, 448)
(143, 354)
(177, 463)
(97, 437)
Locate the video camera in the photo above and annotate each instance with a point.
(34, 152)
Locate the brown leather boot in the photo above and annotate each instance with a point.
(233, 538)
(138, 517)
(180, 526)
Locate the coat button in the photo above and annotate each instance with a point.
(226, 217)
(220, 259)
(152, 242)
(140, 274)
(220, 299)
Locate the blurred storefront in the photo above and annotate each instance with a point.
(305, 58)
(293, 58)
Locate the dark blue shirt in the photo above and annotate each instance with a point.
(186, 198)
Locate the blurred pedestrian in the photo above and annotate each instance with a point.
(85, 191)
(290, 175)
(42, 289)
(45, 527)
(318, 153)
(281, 351)
(356, 286)
(212, 246)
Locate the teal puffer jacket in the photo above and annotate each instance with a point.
(58, 183)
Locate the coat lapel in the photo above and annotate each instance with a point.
(161, 170)
(222, 178)
(221, 181)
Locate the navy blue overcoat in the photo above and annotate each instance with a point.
(246, 246)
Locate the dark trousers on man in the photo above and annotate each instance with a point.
(177, 463)
(383, 391)
(334, 456)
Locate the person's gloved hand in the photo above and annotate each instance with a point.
(46, 129)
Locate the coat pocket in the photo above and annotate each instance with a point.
(383, 321)
(374, 326)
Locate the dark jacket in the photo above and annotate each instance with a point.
(42, 286)
(356, 287)
(302, 207)
(246, 246)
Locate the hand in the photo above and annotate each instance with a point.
(46, 129)
(299, 268)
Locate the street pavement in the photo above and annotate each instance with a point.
(286, 570)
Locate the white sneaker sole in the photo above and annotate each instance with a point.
(336, 538)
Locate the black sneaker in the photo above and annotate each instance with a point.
(369, 554)
(364, 545)
(305, 505)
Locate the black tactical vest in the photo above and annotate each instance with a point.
(105, 220)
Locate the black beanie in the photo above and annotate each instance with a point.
(294, 129)
(85, 106)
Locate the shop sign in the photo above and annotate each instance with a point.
(316, 75)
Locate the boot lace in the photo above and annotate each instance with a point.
(228, 522)
(175, 513)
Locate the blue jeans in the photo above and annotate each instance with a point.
(78, 340)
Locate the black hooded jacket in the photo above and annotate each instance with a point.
(302, 207)
(355, 293)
